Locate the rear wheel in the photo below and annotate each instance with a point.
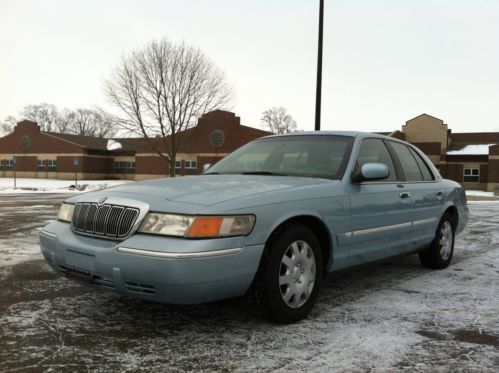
(288, 280)
(439, 253)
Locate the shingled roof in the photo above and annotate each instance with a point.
(89, 142)
(100, 143)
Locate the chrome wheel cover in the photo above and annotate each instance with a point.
(297, 274)
(446, 238)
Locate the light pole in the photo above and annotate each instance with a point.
(14, 161)
(319, 69)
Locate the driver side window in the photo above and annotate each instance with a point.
(375, 151)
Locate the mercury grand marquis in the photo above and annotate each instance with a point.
(267, 221)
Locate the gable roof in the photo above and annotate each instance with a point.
(424, 115)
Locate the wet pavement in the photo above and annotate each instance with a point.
(384, 317)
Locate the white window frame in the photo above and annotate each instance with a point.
(470, 174)
(191, 164)
(52, 165)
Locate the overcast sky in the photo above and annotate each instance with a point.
(385, 61)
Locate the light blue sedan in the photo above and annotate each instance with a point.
(269, 221)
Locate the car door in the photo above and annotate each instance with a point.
(426, 197)
(380, 214)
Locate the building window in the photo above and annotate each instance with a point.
(9, 164)
(40, 165)
(130, 167)
(190, 167)
(471, 175)
(52, 165)
(124, 167)
(217, 138)
(119, 167)
(190, 164)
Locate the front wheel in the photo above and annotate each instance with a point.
(439, 253)
(288, 280)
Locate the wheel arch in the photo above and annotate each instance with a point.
(316, 225)
(453, 212)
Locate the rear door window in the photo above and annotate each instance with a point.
(409, 164)
(423, 166)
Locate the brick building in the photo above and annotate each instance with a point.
(471, 159)
(53, 155)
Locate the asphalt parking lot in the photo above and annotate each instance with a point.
(385, 317)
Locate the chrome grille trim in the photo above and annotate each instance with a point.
(117, 219)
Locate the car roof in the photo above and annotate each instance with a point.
(334, 133)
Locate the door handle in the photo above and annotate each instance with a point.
(439, 194)
(405, 195)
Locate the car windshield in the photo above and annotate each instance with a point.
(323, 156)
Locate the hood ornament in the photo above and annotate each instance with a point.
(102, 200)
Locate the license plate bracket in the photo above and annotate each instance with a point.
(75, 259)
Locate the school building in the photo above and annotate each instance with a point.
(471, 159)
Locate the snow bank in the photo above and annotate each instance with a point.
(479, 193)
(26, 185)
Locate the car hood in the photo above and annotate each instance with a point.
(208, 190)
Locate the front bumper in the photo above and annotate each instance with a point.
(156, 268)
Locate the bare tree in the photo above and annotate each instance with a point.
(7, 125)
(84, 122)
(277, 120)
(90, 122)
(45, 115)
(105, 125)
(64, 122)
(161, 90)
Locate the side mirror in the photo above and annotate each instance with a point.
(371, 172)
(206, 166)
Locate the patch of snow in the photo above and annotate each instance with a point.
(482, 149)
(27, 185)
(479, 193)
(113, 145)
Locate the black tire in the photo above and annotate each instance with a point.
(435, 256)
(266, 295)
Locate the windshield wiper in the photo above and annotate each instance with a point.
(262, 173)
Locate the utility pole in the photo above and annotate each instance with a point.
(318, 93)
(14, 161)
(76, 162)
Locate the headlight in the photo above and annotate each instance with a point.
(66, 212)
(197, 226)
(166, 224)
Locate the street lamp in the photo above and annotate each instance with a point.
(319, 69)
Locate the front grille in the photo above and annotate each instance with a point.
(107, 220)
